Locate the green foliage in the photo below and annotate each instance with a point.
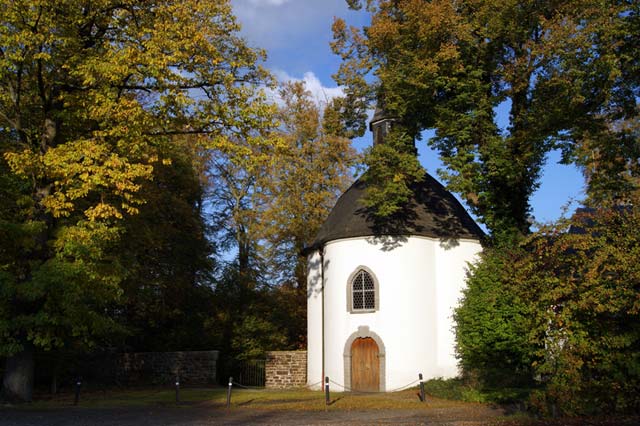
(462, 390)
(164, 250)
(67, 298)
(91, 96)
(583, 289)
(247, 319)
(255, 335)
(491, 324)
(393, 168)
(567, 72)
(563, 307)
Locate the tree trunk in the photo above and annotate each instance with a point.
(55, 372)
(17, 384)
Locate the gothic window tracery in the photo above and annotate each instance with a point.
(363, 292)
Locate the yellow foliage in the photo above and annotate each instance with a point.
(90, 94)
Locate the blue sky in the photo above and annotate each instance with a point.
(296, 36)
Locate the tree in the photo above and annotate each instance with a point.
(567, 72)
(89, 93)
(303, 182)
(269, 196)
(604, 60)
(559, 311)
(313, 166)
(235, 212)
(581, 286)
(164, 250)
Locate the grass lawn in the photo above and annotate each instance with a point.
(295, 399)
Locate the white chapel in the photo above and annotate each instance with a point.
(380, 296)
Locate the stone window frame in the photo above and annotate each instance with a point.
(363, 332)
(376, 289)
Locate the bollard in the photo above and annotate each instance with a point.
(78, 385)
(327, 397)
(177, 389)
(229, 392)
(422, 397)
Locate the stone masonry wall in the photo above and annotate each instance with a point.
(193, 368)
(286, 369)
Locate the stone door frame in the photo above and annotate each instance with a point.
(363, 331)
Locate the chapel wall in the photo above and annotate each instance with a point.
(420, 281)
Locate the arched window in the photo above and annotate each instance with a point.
(363, 292)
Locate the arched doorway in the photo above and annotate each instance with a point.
(364, 333)
(365, 365)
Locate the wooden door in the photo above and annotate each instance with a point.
(365, 365)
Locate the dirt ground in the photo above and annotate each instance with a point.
(207, 406)
(202, 414)
(196, 416)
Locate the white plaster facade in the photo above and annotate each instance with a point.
(420, 280)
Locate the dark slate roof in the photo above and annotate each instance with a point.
(432, 212)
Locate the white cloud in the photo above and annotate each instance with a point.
(260, 3)
(321, 94)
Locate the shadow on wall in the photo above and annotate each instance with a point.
(432, 212)
(314, 285)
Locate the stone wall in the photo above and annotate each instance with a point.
(193, 368)
(286, 369)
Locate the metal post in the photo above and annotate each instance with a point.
(229, 392)
(327, 397)
(177, 389)
(322, 302)
(422, 397)
(78, 385)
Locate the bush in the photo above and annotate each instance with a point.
(491, 325)
(563, 307)
(462, 390)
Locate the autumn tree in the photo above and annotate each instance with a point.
(235, 210)
(89, 94)
(234, 185)
(604, 59)
(314, 166)
(565, 71)
(268, 201)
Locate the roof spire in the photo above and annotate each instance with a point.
(381, 123)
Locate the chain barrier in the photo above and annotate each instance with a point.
(327, 381)
(345, 387)
(313, 384)
(247, 387)
(262, 387)
(348, 389)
